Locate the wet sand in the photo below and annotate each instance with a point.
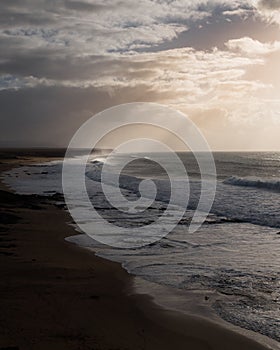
(55, 295)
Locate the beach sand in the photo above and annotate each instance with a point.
(56, 296)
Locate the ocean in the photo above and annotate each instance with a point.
(236, 252)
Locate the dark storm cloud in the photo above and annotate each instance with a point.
(14, 13)
(82, 6)
(49, 51)
(45, 115)
(270, 4)
(58, 66)
(49, 116)
(51, 5)
(53, 45)
(42, 63)
(10, 19)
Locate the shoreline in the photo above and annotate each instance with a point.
(52, 275)
(195, 308)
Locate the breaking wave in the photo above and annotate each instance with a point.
(268, 184)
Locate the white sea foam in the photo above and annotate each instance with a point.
(235, 253)
(269, 184)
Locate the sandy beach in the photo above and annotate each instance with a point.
(55, 295)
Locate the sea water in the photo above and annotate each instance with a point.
(236, 252)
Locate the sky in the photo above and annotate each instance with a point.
(216, 61)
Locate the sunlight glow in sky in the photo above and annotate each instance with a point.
(217, 61)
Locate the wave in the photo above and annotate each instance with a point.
(98, 161)
(268, 184)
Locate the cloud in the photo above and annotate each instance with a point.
(270, 4)
(96, 27)
(252, 47)
(185, 79)
(61, 61)
(49, 115)
(102, 27)
(194, 73)
(269, 10)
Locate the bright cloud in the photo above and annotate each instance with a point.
(145, 50)
(253, 47)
